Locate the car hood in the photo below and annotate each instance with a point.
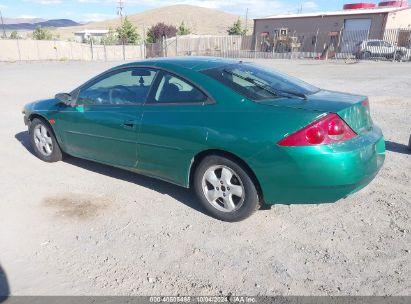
(42, 105)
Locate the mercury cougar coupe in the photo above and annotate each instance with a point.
(241, 135)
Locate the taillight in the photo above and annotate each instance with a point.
(328, 130)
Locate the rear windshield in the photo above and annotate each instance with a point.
(258, 83)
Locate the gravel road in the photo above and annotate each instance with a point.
(78, 227)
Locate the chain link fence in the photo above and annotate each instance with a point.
(26, 50)
(390, 44)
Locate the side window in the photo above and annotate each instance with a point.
(129, 86)
(373, 43)
(172, 89)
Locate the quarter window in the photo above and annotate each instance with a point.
(172, 89)
(130, 86)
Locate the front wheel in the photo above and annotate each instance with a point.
(44, 142)
(399, 56)
(225, 189)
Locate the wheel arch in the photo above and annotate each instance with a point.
(38, 116)
(203, 154)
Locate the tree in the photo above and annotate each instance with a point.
(160, 30)
(236, 29)
(183, 29)
(127, 32)
(42, 34)
(14, 35)
(111, 37)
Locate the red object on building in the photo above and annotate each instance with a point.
(393, 4)
(359, 6)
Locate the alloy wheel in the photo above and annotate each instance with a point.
(223, 188)
(42, 139)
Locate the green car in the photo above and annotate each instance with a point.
(241, 135)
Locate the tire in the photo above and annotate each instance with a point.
(225, 189)
(399, 56)
(44, 142)
(366, 55)
(409, 143)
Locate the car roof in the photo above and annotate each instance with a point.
(189, 62)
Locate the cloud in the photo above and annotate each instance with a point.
(93, 17)
(27, 16)
(45, 2)
(310, 5)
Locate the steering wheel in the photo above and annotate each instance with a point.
(119, 90)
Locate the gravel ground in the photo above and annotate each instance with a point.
(77, 227)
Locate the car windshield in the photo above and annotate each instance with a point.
(258, 83)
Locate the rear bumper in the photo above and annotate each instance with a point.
(322, 174)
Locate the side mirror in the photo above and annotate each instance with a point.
(65, 98)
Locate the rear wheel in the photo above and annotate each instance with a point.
(44, 142)
(366, 55)
(225, 189)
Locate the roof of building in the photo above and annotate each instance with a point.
(92, 32)
(340, 13)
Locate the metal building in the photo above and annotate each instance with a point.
(311, 32)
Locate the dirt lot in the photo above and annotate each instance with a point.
(77, 227)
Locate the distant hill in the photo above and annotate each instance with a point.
(202, 21)
(22, 20)
(31, 26)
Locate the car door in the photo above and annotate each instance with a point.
(388, 48)
(374, 47)
(172, 128)
(103, 126)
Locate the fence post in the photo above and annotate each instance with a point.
(255, 45)
(396, 44)
(71, 50)
(18, 48)
(105, 51)
(91, 49)
(176, 45)
(315, 44)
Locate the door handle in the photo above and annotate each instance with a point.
(129, 124)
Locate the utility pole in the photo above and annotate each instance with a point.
(2, 24)
(120, 8)
(246, 21)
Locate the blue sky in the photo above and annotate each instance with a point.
(95, 10)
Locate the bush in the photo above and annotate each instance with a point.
(14, 35)
(160, 30)
(183, 29)
(236, 29)
(42, 34)
(111, 38)
(127, 32)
